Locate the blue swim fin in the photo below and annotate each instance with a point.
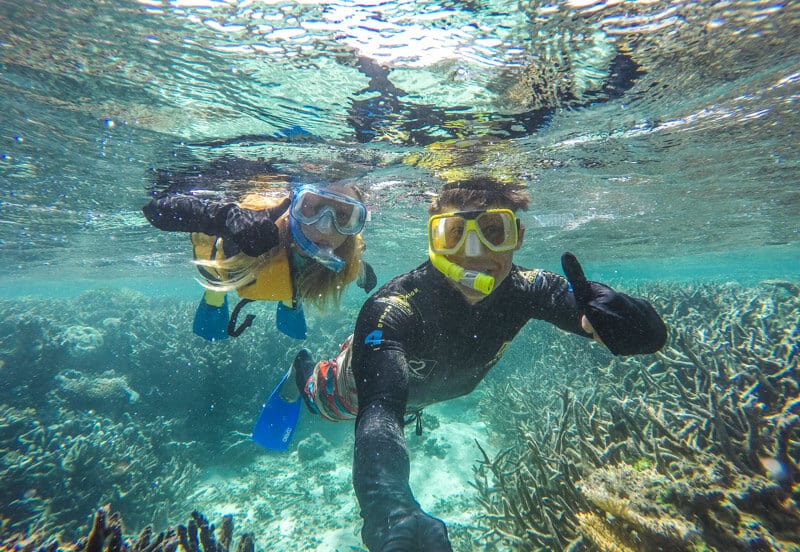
(275, 425)
(211, 316)
(291, 321)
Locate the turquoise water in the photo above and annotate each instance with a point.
(658, 141)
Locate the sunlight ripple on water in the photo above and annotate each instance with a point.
(643, 129)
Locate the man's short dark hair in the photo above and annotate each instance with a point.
(481, 193)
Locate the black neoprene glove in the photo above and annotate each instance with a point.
(416, 532)
(254, 232)
(366, 277)
(627, 325)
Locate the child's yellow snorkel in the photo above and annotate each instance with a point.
(470, 278)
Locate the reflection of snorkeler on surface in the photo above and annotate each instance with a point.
(384, 114)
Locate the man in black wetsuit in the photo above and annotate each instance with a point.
(432, 334)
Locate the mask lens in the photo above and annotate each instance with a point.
(498, 229)
(453, 232)
(310, 205)
(348, 215)
(446, 233)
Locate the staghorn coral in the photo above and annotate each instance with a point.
(53, 470)
(107, 535)
(700, 441)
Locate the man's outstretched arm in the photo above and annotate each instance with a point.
(393, 520)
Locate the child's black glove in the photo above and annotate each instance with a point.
(254, 232)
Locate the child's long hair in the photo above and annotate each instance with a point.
(313, 283)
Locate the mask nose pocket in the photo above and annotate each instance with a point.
(473, 245)
(325, 223)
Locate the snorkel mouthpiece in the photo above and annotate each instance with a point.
(469, 278)
(326, 257)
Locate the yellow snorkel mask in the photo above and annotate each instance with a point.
(448, 233)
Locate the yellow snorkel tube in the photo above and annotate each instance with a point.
(469, 278)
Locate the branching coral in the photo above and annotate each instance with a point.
(53, 471)
(695, 447)
(134, 419)
(106, 535)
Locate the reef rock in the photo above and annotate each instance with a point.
(81, 340)
(104, 389)
(312, 447)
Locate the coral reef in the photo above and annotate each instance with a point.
(94, 410)
(690, 449)
(107, 534)
(694, 448)
(53, 470)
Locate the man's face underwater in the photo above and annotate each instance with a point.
(495, 264)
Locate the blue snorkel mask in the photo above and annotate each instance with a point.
(328, 212)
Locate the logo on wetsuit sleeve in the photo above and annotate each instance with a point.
(374, 338)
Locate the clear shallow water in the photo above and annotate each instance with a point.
(699, 156)
(680, 164)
